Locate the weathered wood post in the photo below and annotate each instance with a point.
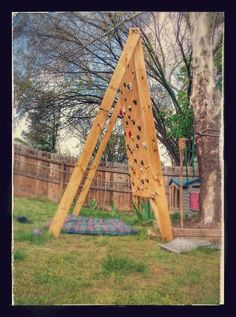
(182, 142)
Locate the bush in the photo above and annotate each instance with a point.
(175, 217)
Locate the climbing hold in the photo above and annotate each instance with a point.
(125, 99)
(137, 146)
(144, 145)
(142, 181)
(124, 84)
(132, 138)
(135, 102)
(139, 127)
(141, 169)
(129, 107)
(129, 86)
(123, 110)
(146, 179)
(133, 121)
(135, 160)
(127, 122)
(129, 133)
(129, 117)
(120, 115)
(138, 137)
(142, 162)
(125, 133)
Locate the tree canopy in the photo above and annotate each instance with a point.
(67, 59)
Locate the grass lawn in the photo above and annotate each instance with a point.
(118, 270)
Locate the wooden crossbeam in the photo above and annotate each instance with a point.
(77, 175)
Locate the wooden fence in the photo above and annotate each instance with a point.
(45, 175)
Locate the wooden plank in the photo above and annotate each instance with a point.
(179, 232)
(93, 136)
(159, 201)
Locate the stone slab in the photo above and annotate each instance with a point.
(181, 245)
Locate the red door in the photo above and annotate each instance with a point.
(194, 201)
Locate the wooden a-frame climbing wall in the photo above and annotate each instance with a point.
(129, 86)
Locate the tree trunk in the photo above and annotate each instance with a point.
(206, 103)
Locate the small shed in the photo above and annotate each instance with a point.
(191, 190)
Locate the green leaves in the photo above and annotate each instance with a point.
(180, 124)
(144, 213)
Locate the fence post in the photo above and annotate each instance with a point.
(62, 177)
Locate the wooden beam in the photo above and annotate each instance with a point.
(77, 175)
(159, 201)
(214, 233)
(96, 161)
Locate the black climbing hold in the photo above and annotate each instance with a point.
(146, 180)
(135, 102)
(138, 137)
(133, 121)
(139, 127)
(127, 122)
(124, 84)
(135, 160)
(142, 162)
(129, 117)
(142, 181)
(137, 146)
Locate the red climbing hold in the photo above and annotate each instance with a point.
(120, 114)
(129, 134)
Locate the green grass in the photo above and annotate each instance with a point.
(19, 255)
(118, 270)
(124, 264)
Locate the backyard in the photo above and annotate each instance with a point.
(116, 270)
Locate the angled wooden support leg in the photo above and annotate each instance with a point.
(83, 194)
(97, 127)
(160, 209)
(96, 161)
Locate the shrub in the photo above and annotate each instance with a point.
(144, 213)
